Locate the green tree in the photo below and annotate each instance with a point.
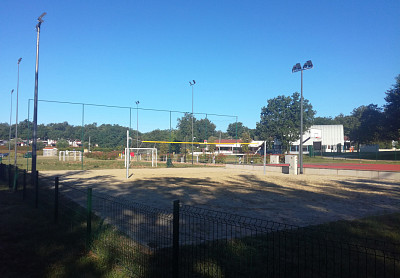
(184, 127)
(280, 119)
(349, 123)
(369, 128)
(202, 129)
(212, 147)
(62, 144)
(236, 129)
(392, 110)
(39, 145)
(324, 121)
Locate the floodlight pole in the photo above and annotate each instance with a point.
(137, 127)
(296, 68)
(9, 138)
(16, 119)
(301, 125)
(35, 106)
(191, 85)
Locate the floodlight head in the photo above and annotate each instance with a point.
(194, 82)
(19, 60)
(137, 102)
(40, 18)
(296, 68)
(191, 83)
(308, 65)
(12, 91)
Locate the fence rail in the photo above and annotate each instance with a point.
(195, 242)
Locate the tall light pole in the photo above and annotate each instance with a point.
(296, 68)
(16, 119)
(40, 21)
(191, 85)
(9, 137)
(137, 128)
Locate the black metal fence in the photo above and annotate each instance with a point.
(194, 242)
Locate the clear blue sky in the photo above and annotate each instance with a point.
(239, 52)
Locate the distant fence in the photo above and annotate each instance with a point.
(194, 242)
(379, 155)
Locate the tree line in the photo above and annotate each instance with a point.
(279, 120)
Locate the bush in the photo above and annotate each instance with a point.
(103, 155)
(256, 158)
(220, 158)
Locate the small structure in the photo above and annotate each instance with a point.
(274, 159)
(50, 151)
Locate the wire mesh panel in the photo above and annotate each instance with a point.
(215, 244)
(197, 242)
(133, 234)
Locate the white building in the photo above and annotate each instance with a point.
(233, 146)
(325, 138)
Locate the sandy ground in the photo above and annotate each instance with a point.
(298, 200)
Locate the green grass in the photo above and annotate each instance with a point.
(52, 163)
(312, 251)
(33, 246)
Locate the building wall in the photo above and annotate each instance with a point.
(329, 136)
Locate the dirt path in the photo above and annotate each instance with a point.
(299, 200)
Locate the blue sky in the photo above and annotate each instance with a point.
(239, 52)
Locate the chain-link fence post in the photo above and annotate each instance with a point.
(15, 186)
(56, 200)
(36, 183)
(175, 239)
(89, 217)
(9, 176)
(24, 186)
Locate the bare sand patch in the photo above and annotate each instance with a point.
(299, 200)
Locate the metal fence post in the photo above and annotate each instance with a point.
(15, 179)
(9, 176)
(24, 186)
(89, 217)
(36, 183)
(56, 200)
(175, 239)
